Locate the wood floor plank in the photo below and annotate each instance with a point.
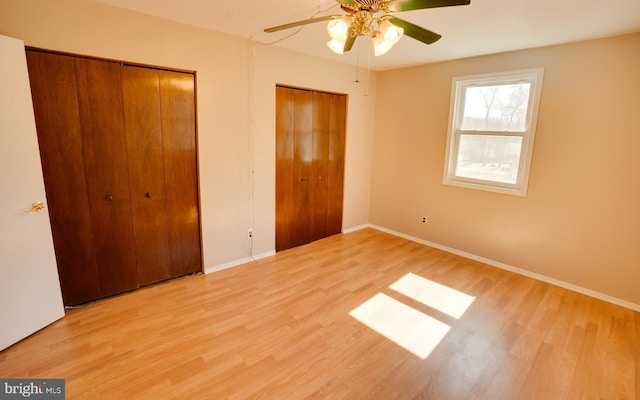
(280, 328)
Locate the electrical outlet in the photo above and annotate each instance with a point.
(250, 234)
(424, 220)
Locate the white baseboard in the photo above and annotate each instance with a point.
(357, 228)
(520, 271)
(236, 263)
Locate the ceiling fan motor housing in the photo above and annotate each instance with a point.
(372, 6)
(362, 23)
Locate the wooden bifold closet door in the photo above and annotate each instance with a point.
(310, 145)
(118, 150)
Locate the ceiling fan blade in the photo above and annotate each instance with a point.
(407, 5)
(347, 2)
(298, 23)
(415, 31)
(351, 39)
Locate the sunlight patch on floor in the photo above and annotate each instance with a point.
(434, 295)
(404, 325)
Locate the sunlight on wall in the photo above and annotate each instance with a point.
(432, 294)
(409, 328)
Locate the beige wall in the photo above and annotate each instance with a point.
(236, 108)
(580, 222)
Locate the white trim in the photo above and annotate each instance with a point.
(239, 262)
(356, 228)
(264, 255)
(519, 271)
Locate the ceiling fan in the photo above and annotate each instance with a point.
(361, 19)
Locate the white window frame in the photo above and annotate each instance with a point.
(456, 112)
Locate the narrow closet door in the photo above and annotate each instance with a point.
(327, 177)
(302, 196)
(310, 129)
(143, 127)
(285, 215)
(318, 180)
(177, 102)
(335, 164)
(55, 104)
(105, 159)
(295, 180)
(294, 167)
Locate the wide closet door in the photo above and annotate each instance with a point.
(117, 144)
(310, 141)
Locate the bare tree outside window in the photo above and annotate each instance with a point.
(496, 108)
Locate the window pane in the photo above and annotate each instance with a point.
(496, 108)
(489, 157)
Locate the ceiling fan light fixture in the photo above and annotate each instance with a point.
(380, 44)
(338, 28)
(361, 20)
(337, 46)
(392, 33)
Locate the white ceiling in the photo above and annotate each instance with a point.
(484, 27)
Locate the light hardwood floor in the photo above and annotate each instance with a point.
(280, 328)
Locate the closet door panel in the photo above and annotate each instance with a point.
(105, 157)
(335, 174)
(303, 159)
(180, 170)
(53, 87)
(318, 184)
(285, 216)
(143, 128)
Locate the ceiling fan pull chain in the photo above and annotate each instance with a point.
(368, 65)
(358, 64)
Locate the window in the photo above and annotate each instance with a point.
(491, 130)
